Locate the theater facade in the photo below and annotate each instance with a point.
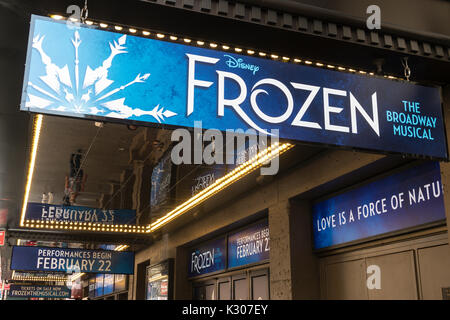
(225, 150)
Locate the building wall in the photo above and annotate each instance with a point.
(429, 16)
(274, 196)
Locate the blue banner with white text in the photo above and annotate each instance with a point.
(407, 199)
(250, 245)
(91, 73)
(35, 291)
(209, 257)
(71, 260)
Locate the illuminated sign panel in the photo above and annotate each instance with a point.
(89, 73)
(71, 260)
(407, 199)
(250, 245)
(34, 291)
(209, 257)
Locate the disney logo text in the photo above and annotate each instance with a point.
(239, 63)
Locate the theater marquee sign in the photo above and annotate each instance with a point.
(90, 73)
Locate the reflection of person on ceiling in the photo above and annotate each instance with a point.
(75, 182)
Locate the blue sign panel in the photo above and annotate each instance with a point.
(210, 257)
(50, 212)
(90, 73)
(71, 260)
(33, 291)
(249, 246)
(407, 199)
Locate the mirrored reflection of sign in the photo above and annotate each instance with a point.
(202, 182)
(192, 179)
(70, 260)
(49, 212)
(160, 192)
(250, 245)
(34, 291)
(407, 199)
(205, 176)
(207, 258)
(83, 73)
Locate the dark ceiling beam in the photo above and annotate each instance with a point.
(341, 17)
(281, 32)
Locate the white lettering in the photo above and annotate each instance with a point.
(298, 119)
(234, 103)
(192, 82)
(330, 109)
(284, 89)
(354, 104)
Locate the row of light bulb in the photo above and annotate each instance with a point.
(48, 279)
(252, 164)
(221, 183)
(83, 226)
(257, 161)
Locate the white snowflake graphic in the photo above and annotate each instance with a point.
(64, 95)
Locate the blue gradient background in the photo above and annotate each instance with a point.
(25, 259)
(167, 86)
(233, 260)
(220, 256)
(393, 220)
